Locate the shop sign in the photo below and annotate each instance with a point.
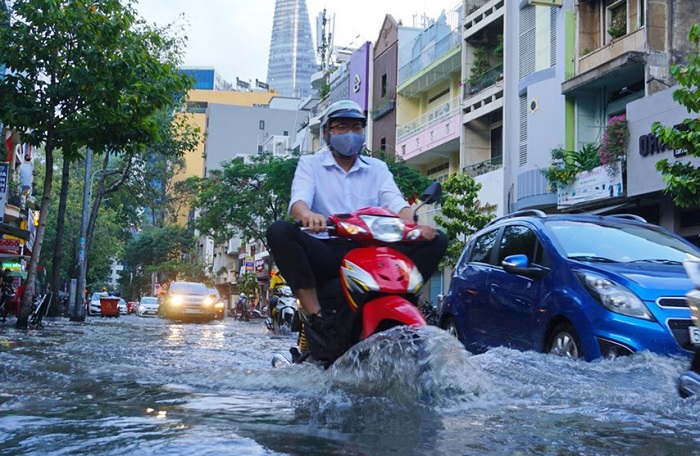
(3, 189)
(249, 264)
(9, 246)
(599, 183)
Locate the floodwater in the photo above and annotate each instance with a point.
(141, 386)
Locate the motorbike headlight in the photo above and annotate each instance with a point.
(385, 229)
(176, 300)
(614, 296)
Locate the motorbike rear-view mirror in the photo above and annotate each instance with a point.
(432, 193)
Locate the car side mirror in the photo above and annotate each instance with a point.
(520, 265)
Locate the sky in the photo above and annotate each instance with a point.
(233, 36)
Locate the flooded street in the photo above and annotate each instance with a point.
(131, 386)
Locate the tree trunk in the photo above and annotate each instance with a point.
(26, 307)
(60, 223)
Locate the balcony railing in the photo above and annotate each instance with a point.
(435, 115)
(430, 54)
(472, 86)
(477, 169)
(472, 5)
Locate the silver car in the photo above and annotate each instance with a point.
(148, 306)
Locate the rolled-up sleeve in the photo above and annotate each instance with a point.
(390, 196)
(303, 183)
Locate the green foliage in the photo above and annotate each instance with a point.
(480, 65)
(461, 214)
(84, 74)
(410, 182)
(248, 284)
(566, 164)
(169, 252)
(245, 197)
(683, 180)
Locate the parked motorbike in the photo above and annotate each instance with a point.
(285, 311)
(378, 285)
(689, 382)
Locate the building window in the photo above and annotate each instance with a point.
(285, 133)
(382, 144)
(383, 92)
(260, 149)
(522, 159)
(261, 125)
(616, 19)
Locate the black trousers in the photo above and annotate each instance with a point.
(306, 261)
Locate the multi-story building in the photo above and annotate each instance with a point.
(481, 99)
(571, 67)
(385, 63)
(292, 59)
(206, 78)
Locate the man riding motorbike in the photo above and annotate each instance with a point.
(337, 179)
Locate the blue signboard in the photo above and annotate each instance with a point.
(4, 171)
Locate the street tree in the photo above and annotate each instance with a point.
(84, 75)
(244, 197)
(683, 179)
(461, 214)
(410, 182)
(170, 253)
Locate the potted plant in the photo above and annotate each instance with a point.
(566, 164)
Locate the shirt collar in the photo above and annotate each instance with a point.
(328, 160)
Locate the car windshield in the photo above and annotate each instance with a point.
(149, 300)
(189, 288)
(620, 243)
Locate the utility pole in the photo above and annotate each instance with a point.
(78, 313)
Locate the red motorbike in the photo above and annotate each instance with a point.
(379, 283)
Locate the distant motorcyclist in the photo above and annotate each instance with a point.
(242, 306)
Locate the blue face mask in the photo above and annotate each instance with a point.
(347, 144)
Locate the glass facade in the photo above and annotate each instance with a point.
(292, 59)
(203, 77)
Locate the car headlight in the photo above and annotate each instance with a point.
(614, 296)
(219, 305)
(176, 300)
(385, 229)
(208, 302)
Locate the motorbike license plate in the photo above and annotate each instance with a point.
(694, 335)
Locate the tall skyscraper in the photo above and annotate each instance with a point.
(292, 59)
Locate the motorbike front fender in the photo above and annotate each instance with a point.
(394, 308)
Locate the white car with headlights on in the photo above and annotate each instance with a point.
(187, 301)
(148, 305)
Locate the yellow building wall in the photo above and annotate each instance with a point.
(194, 160)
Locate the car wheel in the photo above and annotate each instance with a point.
(451, 327)
(564, 342)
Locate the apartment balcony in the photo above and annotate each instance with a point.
(623, 59)
(479, 15)
(483, 94)
(484, 167)
(436, 131)
(434, 64)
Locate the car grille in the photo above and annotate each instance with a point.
(672, 302)
(679, 329)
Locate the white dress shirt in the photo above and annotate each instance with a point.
(328, 189)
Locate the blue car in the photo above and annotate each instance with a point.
(582, 286)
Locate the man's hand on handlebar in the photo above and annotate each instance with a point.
(316, 223)
(429, 232)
